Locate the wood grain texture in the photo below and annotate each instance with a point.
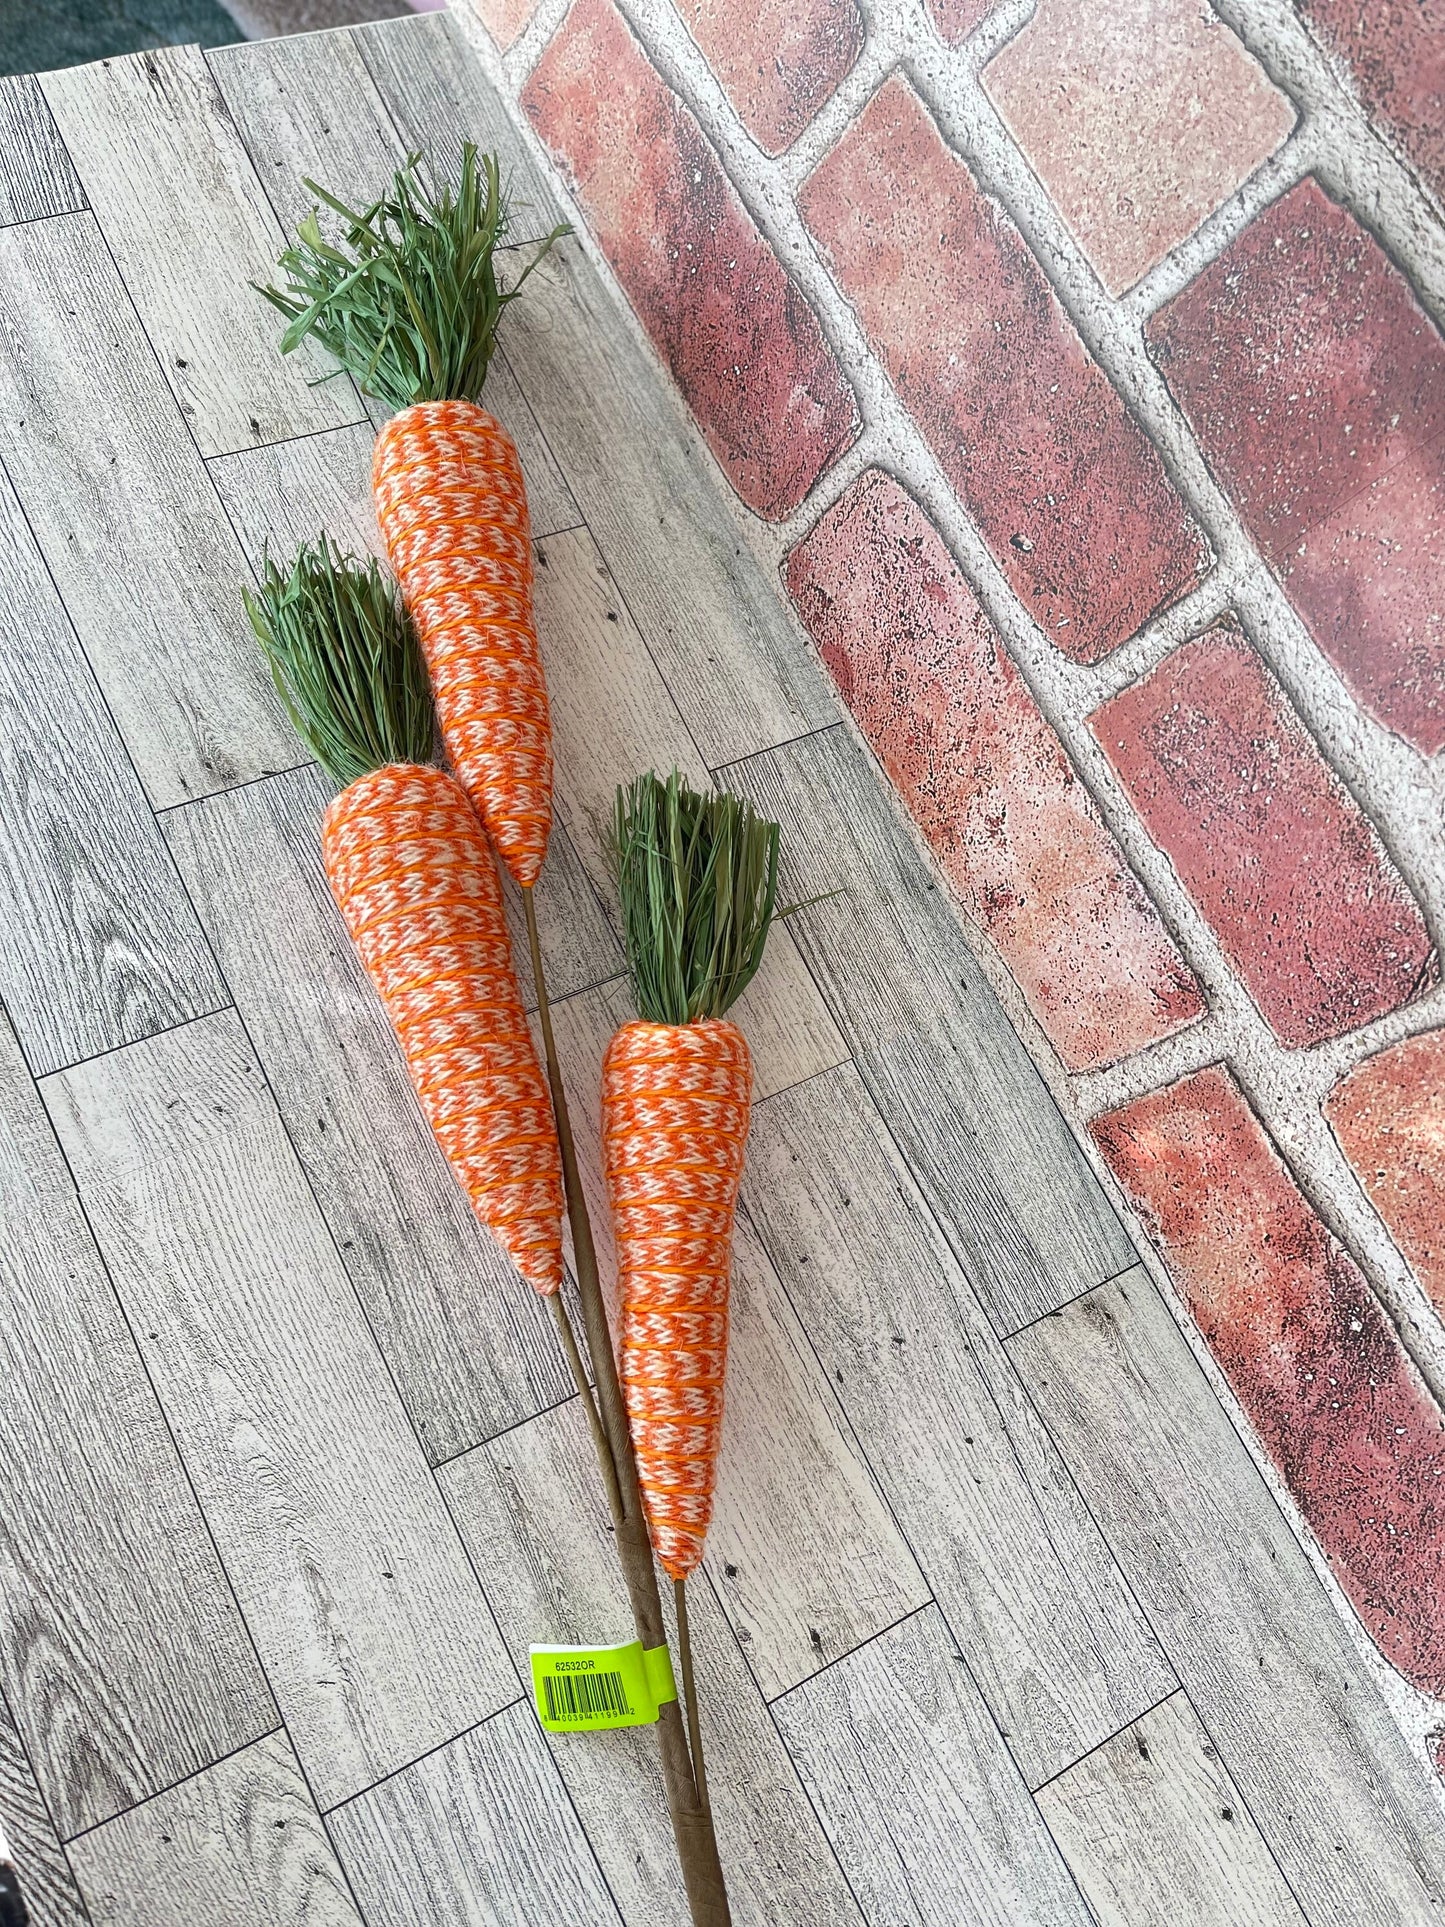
(663, 518)
(1025, 1581)
(921, 1801)
(470, 1348)
(531, 1508)
(307, 108)
(803, 1553)
(37, 176)
(51, 1895)
(185, 218)
(482, 1830)
(1155, 1832)
(613, 716)
(124, 1661)
(99, 946)
(1340, 1798)
(996, 1162)
(127, 520)
(240, 1845)
(438, 95)
(366, 1616)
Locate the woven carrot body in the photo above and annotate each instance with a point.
(452, 508)
(418, 887)
(675, 1103)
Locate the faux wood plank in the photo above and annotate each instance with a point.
(28, 1839)
(649, 491)
(921, 1801)
(480, 1831)
(127, 520)
(995, 1159)
(531, 1508)
(240, 1845)
(188, 224)
(37, 176)
(1332, 1785)
(124, 1661)
(365, 1613)
(307, 108)
(100, 946)
(1155, 1832)
(471, 1350)
(439, 95)
(1026, 1583)
(803, 1554)
(614, 716)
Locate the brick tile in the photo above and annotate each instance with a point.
(743, 345)
(1367, 581)
(1069, 494)
(505, 19)
(1312, 913)
(1389, 1115)
(956, 19)
(1140, 117)
(952, 721)
(1394, 54)
(778, 60)
(1310, 374)
(1304, 1343)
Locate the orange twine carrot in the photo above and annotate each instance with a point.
(418, 887)
(676, 1101)
(452, 508)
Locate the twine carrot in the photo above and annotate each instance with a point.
(417, 885)
(697, 881)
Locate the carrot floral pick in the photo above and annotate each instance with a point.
(409, 302)
(697, 882)
(417, 885)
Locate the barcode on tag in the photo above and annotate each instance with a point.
(585, 1696)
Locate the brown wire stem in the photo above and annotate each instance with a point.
(689, 1690)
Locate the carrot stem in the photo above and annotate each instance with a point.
(689, 1689)
(692, 1823)
(580, 1379)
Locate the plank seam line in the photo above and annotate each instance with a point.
(492, 1438)
(838, 1659)
(135, 1806)
(452, 1739)
(233, 789)
(1054, 1310)
(287, 441)
(1109, 1738)
(130, 1043)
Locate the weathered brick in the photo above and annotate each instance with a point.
(951, 719)
(1311, 375)
(743, 345)
(1265, 838)
(1071, 497)
(778, 60)
(956, 19)
(1394, 53)
(1307, 1348)
(1389, 1115)
(505, 19)
(1139, 116)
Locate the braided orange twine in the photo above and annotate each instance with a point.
(452, 508)
(675, 1106)
(417, 884)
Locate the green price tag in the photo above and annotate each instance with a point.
(589, 1689)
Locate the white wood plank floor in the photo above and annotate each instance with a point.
(998, 1622)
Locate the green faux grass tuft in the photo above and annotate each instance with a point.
(346, 661)
(697, 879)
(409, 301)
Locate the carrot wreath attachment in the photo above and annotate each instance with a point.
(409, 301)
(697, 881)
(417, 885)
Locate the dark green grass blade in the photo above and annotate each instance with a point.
(407, 298)
(346, 661)
(697, 879)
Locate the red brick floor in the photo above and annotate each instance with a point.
(1083, 377)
